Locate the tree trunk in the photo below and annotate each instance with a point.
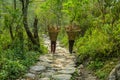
(11, 32)
(15, 4)
(25, 4)
(10, 26)
(36, 36)
(33, 38)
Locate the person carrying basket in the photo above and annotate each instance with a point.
(53, 33)
(72, 31)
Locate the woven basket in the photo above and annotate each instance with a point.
(72, 32)
(71, 35)
(53, 36)
(53, 33)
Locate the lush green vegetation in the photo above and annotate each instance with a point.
(17, 50)
(97, 44)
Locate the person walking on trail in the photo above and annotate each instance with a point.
(72, 33)
(53, 33)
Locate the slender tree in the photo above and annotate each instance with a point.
(34, 38)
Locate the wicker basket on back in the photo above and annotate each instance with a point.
(72, 31)
(53, 32)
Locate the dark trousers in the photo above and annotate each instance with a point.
(53, 46)
(71, 43)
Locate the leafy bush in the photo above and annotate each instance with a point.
(43, 49)
(94, 44)
(30, 58)
(104, 71)
(14, 64)
(63, 38)
(98, 46)
(11, 69)
(94, 65)
(4, 40)
(64, 41)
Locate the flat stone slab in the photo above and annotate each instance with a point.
(45, 59)
(70, 57)
(67, 71)
(47, 74)
(62, 77)
(35, 69)
(46, 64)
(44, 78)
(30, 76)
(56, 69)
(60, 60)
(69, 68)
(59, 66)
(90, 78)
(20, 79)
(59, 55)
(115, 73)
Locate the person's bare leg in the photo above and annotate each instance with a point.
(54, 47)
(71, 43)
(51, 46)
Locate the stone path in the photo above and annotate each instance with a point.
(59, 66)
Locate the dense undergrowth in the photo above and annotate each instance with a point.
(98, 44)
(14, 61)
(98, 49)
(19, 48)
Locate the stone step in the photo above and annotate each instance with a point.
(62, 77)
(59, 66)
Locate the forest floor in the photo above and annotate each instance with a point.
(60, 66)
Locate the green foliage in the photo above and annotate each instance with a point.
(73, 9)
(44, 49)
(94, 44)
(11, 69)
(15, 56)
(62, 37)
(98, 46)
(75, 74)
(30, 58)
(14, 62)
(4, 40)
(64, 41)
(104, 71)
(94, 65)
(13, 65)
(101, 75)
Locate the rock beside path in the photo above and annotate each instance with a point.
(84, 74)
(62, 77)
(115, 73)
(37, 69)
